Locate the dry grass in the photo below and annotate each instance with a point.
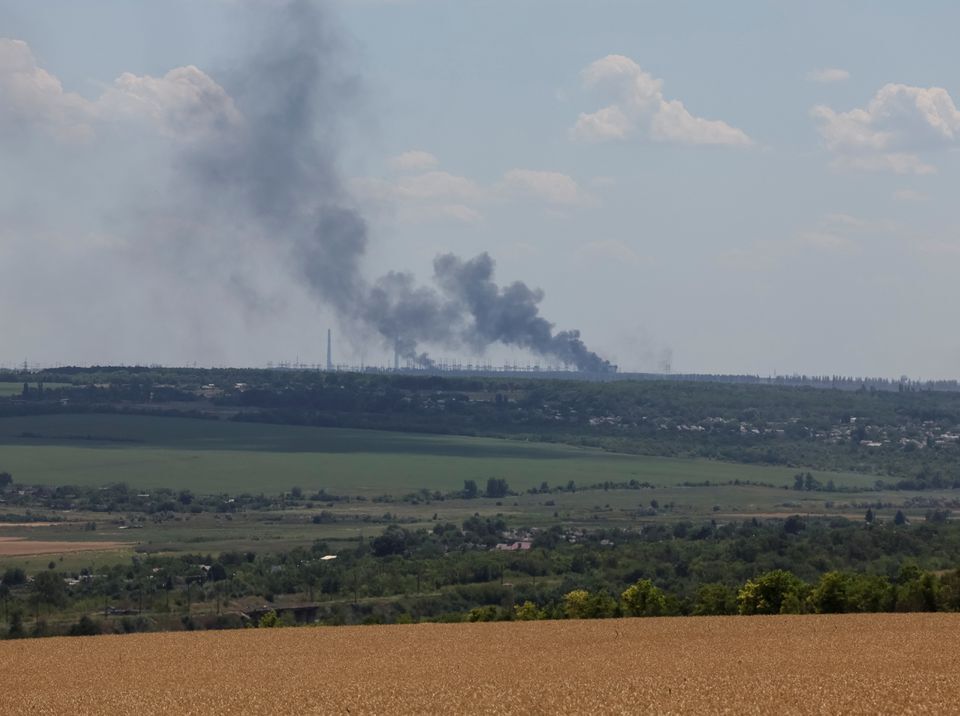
(746, 665)
(20, 547)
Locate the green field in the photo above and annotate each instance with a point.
(9, 389)
(217, 456)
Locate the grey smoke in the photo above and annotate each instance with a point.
(279, 170)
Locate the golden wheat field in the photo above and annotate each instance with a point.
(739, 665)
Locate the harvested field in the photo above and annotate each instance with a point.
(20, 547)
(746, 665)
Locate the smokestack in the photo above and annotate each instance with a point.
(329, 350)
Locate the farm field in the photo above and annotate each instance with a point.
(12, 389)
(745, 665)
(20, 547)
(215, 456)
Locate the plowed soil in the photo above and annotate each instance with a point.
(19, 547)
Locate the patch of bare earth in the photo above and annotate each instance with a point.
(895, 664)
(20, 547)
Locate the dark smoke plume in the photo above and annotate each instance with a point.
(278, 171)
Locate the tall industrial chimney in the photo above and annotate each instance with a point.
(329, 350)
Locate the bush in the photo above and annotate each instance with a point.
(85, 627)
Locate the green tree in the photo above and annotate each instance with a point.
(16, 629)
(830, 594)
(920, 594)
(576, 604)
(643, 599)
(270, 620)
(6, 479)
(48, 588)
(715, 600)
(14, 576)
(470, 489)
(85, 627)
(775, 592)
(497, 487)
(528, 611)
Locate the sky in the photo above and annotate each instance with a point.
(753, 187)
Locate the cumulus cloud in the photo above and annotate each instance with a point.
(828, 75)
(414, 160)
(898, 124)
(639, 106)
(419, 195)
(550, 187)
(184, 104)
(34, 98)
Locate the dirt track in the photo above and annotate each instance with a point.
(745, 665)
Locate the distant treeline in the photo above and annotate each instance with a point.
(909, 438)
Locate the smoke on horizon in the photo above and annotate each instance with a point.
(224, 189)
(275, 173)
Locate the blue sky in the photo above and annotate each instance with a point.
(750, 187)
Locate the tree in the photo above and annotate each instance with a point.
(269, 621)
(576, 604)
(16, 630)
(14, 577)
(496, 487)
(528, 611)
(715, 600)
(643, 599)
(775, 592)
(900, 518)
(49, 589)
(392, 541)
(869, 517)
(6, 479)
(830, 594)
(85, 627)
(470, 489)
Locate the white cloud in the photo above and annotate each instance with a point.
(413, 161)
(898, 124)
(33, 98)
(550, 187)
(640, 106)
(828, 75)
(435, 185)
(184, 104)
(437, 194)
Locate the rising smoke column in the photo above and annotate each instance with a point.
(509, 315)
(278, 168)
(278, 171)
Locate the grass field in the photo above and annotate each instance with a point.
(8, 389)
(896, 664)
(217, 456)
